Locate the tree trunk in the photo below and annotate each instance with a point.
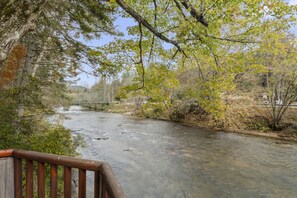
(40, 56)
(15, 25)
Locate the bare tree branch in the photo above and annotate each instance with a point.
(231, 40)
(140, 54)
(155, 24)
(167, 5)
(180, 8)
(145, 23)
(194, 13)
(210, 7)
(174, 27)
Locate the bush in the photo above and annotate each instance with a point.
(55, 139)
(244, 114)
(180, 109)
(153, 110)
(31, 130)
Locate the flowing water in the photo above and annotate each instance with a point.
(162, 159)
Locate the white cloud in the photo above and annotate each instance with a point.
(293, 2)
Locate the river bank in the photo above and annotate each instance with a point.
(130, 109)
(279, 135)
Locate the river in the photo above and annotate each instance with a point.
(159, 159)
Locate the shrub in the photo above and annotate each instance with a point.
(180, 109)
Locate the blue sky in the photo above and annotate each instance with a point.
(121, 24)
(293, 2)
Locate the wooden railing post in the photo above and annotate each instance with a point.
(97, 186)
(53, 181)
(18, 178)
(29, 179)
(67, 182)
(103, 187)
(41, 180)
(81, 183)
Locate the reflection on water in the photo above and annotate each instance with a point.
(168, 160)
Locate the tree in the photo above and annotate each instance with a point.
(12, 65)
(278, 56)
(213, 37)
(53, 48)
(17, 18)
(63, 18)
(34, 63)
(204, 22)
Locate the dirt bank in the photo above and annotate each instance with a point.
(129, 110)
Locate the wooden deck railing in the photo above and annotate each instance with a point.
(105, 183)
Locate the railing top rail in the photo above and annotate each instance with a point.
(6, 153)
(72, 162)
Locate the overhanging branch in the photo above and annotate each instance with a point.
(194, 13)
(145, 23)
